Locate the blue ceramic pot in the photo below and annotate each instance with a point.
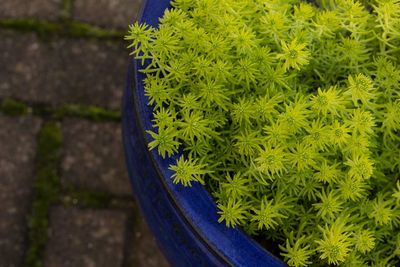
(183, 220)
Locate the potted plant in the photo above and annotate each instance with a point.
(274, 121)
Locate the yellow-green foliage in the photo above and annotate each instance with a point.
(289, 113)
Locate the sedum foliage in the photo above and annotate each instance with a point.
(289, 113)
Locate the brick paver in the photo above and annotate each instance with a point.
(62, 71)
(93, 157)
(43, 9)
(88, 72)
(17, 143)
(20, 77)
(145, 252)
(87, 238)
(107, 13)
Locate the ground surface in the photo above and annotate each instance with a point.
(64, 191)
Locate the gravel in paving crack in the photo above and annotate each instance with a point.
(93, 157)
(62, 71)
(43, 9)
(89, 238)
(106, 13)
(18, 145)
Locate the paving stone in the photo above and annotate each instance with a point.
(93, 157)
(22, 65)
(107, 13)
(43, 9)
(144, 251)
(85, 238)
(18, 144)
(63, 71)
(88, 72)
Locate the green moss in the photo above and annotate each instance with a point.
(78, 29)
(13, 107)
(87, 199)
(46, 188)
(87, 112)
(65, 28)
(41, 27)
(47, 183)
(49, 143)
(67, 9)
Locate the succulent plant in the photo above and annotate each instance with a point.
(288, 112)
